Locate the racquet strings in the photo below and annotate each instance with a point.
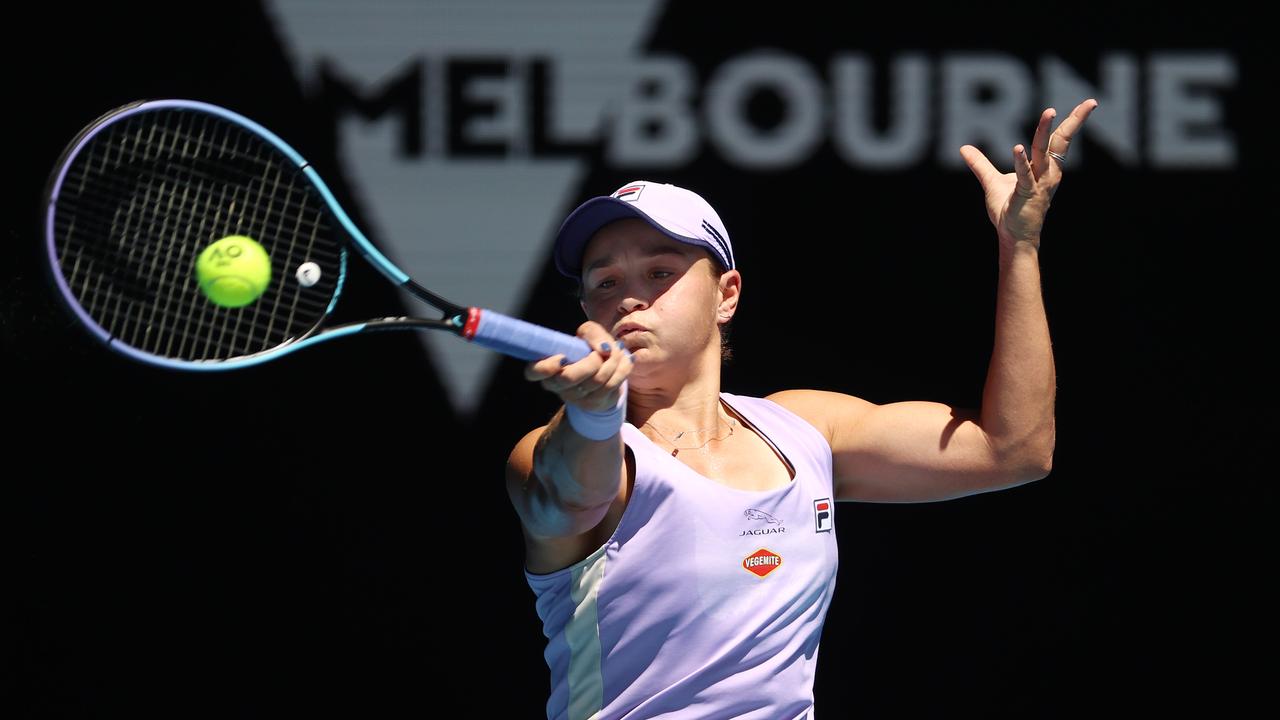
(145, 195)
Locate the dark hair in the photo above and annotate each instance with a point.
(726, 352)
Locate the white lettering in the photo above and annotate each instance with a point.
(1117, 128)
(994, 124)
(653, 125)
(655, 115)
(1174, 110)
(906, 139)
(800, 130)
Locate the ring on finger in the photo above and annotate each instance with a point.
(1060, 158)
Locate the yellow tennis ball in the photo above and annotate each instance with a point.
(233, 271)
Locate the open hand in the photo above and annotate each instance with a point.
(1017, 201)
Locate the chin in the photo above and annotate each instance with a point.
(641, 356)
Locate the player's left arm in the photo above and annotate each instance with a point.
(920, 451)
(925, 451)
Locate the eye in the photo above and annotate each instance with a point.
(662, 273)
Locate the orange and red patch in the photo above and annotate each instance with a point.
(762, 562)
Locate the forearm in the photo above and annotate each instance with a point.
(1018, 399)
(578, 472)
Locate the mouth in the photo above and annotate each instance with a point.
(625, 330)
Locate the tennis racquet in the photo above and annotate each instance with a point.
(142, 190)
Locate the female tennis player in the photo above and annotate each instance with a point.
(679, 538)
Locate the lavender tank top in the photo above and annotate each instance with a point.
(707, 601)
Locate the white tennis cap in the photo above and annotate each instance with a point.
(681, 214)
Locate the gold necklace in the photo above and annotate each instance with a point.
(682, 433)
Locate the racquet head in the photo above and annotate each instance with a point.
(136, 197)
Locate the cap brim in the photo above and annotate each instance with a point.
(585, 221)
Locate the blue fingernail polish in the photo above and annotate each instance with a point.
(621, 346)
(564, 361)
(604, 347)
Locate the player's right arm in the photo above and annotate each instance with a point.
(561, 482)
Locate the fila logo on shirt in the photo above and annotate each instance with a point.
(823, 515)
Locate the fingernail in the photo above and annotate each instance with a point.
(564, 361)
(604, 347)
(620, 345)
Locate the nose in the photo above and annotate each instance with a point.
(630, 304)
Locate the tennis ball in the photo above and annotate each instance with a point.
(233, 271)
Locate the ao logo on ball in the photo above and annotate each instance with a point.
(234, 271)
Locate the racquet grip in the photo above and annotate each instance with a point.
(520, 339)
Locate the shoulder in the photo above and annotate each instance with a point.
(823, 409)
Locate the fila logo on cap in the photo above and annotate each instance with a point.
(676, 212)
(823, 515)
(630, 193)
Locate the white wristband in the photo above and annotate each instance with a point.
(598, 425)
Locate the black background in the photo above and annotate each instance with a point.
(322, 534)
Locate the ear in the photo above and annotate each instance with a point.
(730, 289)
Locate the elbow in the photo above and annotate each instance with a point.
(1032, 461)
(1040, 462)
(1041, 470)
(1050, 441)
(1027, 472)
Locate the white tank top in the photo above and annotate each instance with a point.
(707, 601)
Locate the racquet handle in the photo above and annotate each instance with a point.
(520, 339)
